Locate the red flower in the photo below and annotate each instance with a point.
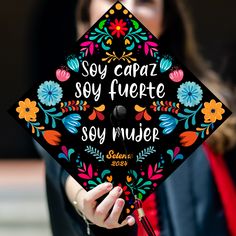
(125, 191)
(118, 27)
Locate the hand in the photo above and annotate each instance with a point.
(107, 213)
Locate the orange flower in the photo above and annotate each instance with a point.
(188, 138)
(212, 111)
(52, 137)
(118, 28)
(27, 110)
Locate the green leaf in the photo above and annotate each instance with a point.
(188, 111)
(143, 37)
(140, 196)
(138, 31)
(130, 30)
(102, 23)
(142, 191)
(180, 115)
(140, 181)
(91, 182)
(106, 30)
(93, 37)
(170, 152)
(136, 24)
(100, 38)
(58, 114)
(98, 31)
(53, 123)
(104, 173)
(46, 119)
(202, 134)
(71, 151)
(51, 110)
(37, 133)
(147, 183)
(134, 173)
(186, 126)
(194, 120)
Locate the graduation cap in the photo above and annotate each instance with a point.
(121, 109)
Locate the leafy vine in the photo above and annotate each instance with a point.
(190, 116)
(95, 153)
(52, 113)
(145, 153)
(113, 57)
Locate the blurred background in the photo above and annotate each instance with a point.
(23, 207)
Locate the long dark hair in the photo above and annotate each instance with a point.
(178, 37)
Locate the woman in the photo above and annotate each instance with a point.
(190, 207)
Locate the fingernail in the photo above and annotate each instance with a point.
(130, 220)
(120, 203)
(119, 190)
(108, 186)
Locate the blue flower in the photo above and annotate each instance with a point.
(71, 123)
(165, 64)
(169, 123)
(73, 63)
(189, 94)
(50, 93)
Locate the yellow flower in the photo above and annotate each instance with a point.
(109, 42)
(212, 111)
(127, 42)
(27, 110)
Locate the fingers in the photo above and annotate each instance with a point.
(98, 192)
(108, 212)
(88, 203)
(112, 220)
(106, 205)
(130, 220)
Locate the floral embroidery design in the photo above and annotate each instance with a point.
(168, 123)
(125, 57)
(52, 137)
(212, 111)
(179, 119)
(27, 110)
(165, 63)
(71, 122)
(118, 28)
(175, 154)
(188, 138)
(73, 63)
(189, 94)
(50, 93)
(66, 153)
